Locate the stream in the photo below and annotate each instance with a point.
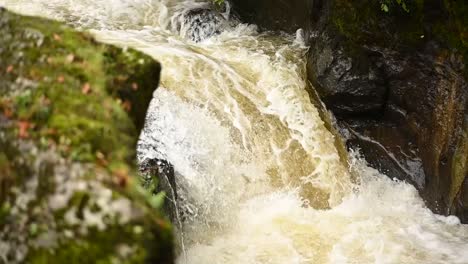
(258, 175)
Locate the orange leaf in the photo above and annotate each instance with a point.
(61, 79)
(7, 112)
(121, 178)
(7, 108)
(24, 126)
(57, 37)
(127, 106)
(70, 58)
(86, 89)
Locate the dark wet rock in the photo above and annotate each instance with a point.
(70, 114)
(460, 207)
(387, 147)
(277, 14)
(346, 85)
(199, 24)
(459, 164)
(158, 176)
(396, 81)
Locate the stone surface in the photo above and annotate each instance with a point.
(287, 15)
(70, 114)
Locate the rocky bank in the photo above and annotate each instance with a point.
(70, 114)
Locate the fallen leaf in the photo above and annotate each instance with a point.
(7, 108)
(51, 132)
(101, 158)
(86, 89)
(162, 223)
(121, 178)
(7, 112)
(122, 78)
(57, 37)
(61, 79)
(10, 69)
(70, 58)
(45, 101)
(24, 126)
(127, 105)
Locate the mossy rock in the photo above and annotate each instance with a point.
(70, 114)
(364, 23)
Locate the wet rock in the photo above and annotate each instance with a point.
(386, 147)
(70, 114)
(460, 207)
(459, 185)
(277, 14)
(199, 24)
(158, 176)
(346, 85)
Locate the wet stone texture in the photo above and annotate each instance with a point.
(70, 114)
(396, 81)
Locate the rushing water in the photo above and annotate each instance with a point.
(259, 177)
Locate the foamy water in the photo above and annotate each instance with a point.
(259, 177)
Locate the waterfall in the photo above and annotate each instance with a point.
(259, 176)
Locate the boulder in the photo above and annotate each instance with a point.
(70, 114)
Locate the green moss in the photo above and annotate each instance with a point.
(364, 23)
(459, 165)
(4, 212)
(4, 162)
(74, 78)
(12, 170)
(98, 247)
(85, 101)
(147, 236)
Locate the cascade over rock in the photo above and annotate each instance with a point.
(396, 81)
(247, 157)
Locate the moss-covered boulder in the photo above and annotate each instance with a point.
(70, 114)
(396, 78)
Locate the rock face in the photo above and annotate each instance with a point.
(396, 81)
(70, 115)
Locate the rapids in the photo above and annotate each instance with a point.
(259, 176)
